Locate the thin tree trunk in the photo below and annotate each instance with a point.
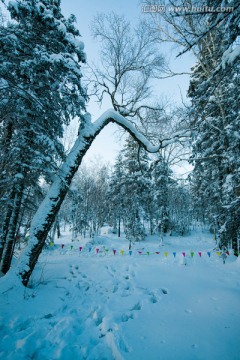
(6, 223)
(119, 229)
(11, 236)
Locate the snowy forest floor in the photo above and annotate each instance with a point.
(154, 306)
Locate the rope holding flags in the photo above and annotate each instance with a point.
(103, 250)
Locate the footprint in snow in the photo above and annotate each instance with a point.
(126, 291)
(126, 317)
(111, 271)
(83, 275)
(137, 306)
(97, 317)
(115, 288)
(164, 291)
(153, 298)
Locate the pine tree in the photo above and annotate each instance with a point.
(134, 190)
(161, 182)
(41, 91)
(216, 143)
(116, 193)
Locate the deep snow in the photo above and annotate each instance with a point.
(84, 305)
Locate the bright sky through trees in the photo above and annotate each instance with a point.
(107, 144)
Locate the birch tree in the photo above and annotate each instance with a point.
(129, 60)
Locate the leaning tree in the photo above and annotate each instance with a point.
(47, 211)
(66, 95)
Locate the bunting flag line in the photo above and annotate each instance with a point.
(145, 252)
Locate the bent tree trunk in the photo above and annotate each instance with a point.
(47, 211)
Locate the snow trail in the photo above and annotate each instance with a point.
(84, 305)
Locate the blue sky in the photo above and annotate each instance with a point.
(107, 144)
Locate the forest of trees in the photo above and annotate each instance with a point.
(43, 66)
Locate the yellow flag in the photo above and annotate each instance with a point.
(122, 252)
(166, 254)
(218, 253)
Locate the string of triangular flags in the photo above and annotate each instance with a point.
(122, 252)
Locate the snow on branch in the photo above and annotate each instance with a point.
(113, 116)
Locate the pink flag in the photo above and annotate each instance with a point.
(80, 248)
(62, 246)
(114, 251)
(97, 250)
(200, 253)
(184, 254)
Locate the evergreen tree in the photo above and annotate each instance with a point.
(216, 146)
(41, 91)
(160, 190)
(115, 194)
(134, 190)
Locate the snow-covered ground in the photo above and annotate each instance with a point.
(155, 304)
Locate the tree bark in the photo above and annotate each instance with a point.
(11, 235)
(6, 223)
(119, 228)
(47, 211)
